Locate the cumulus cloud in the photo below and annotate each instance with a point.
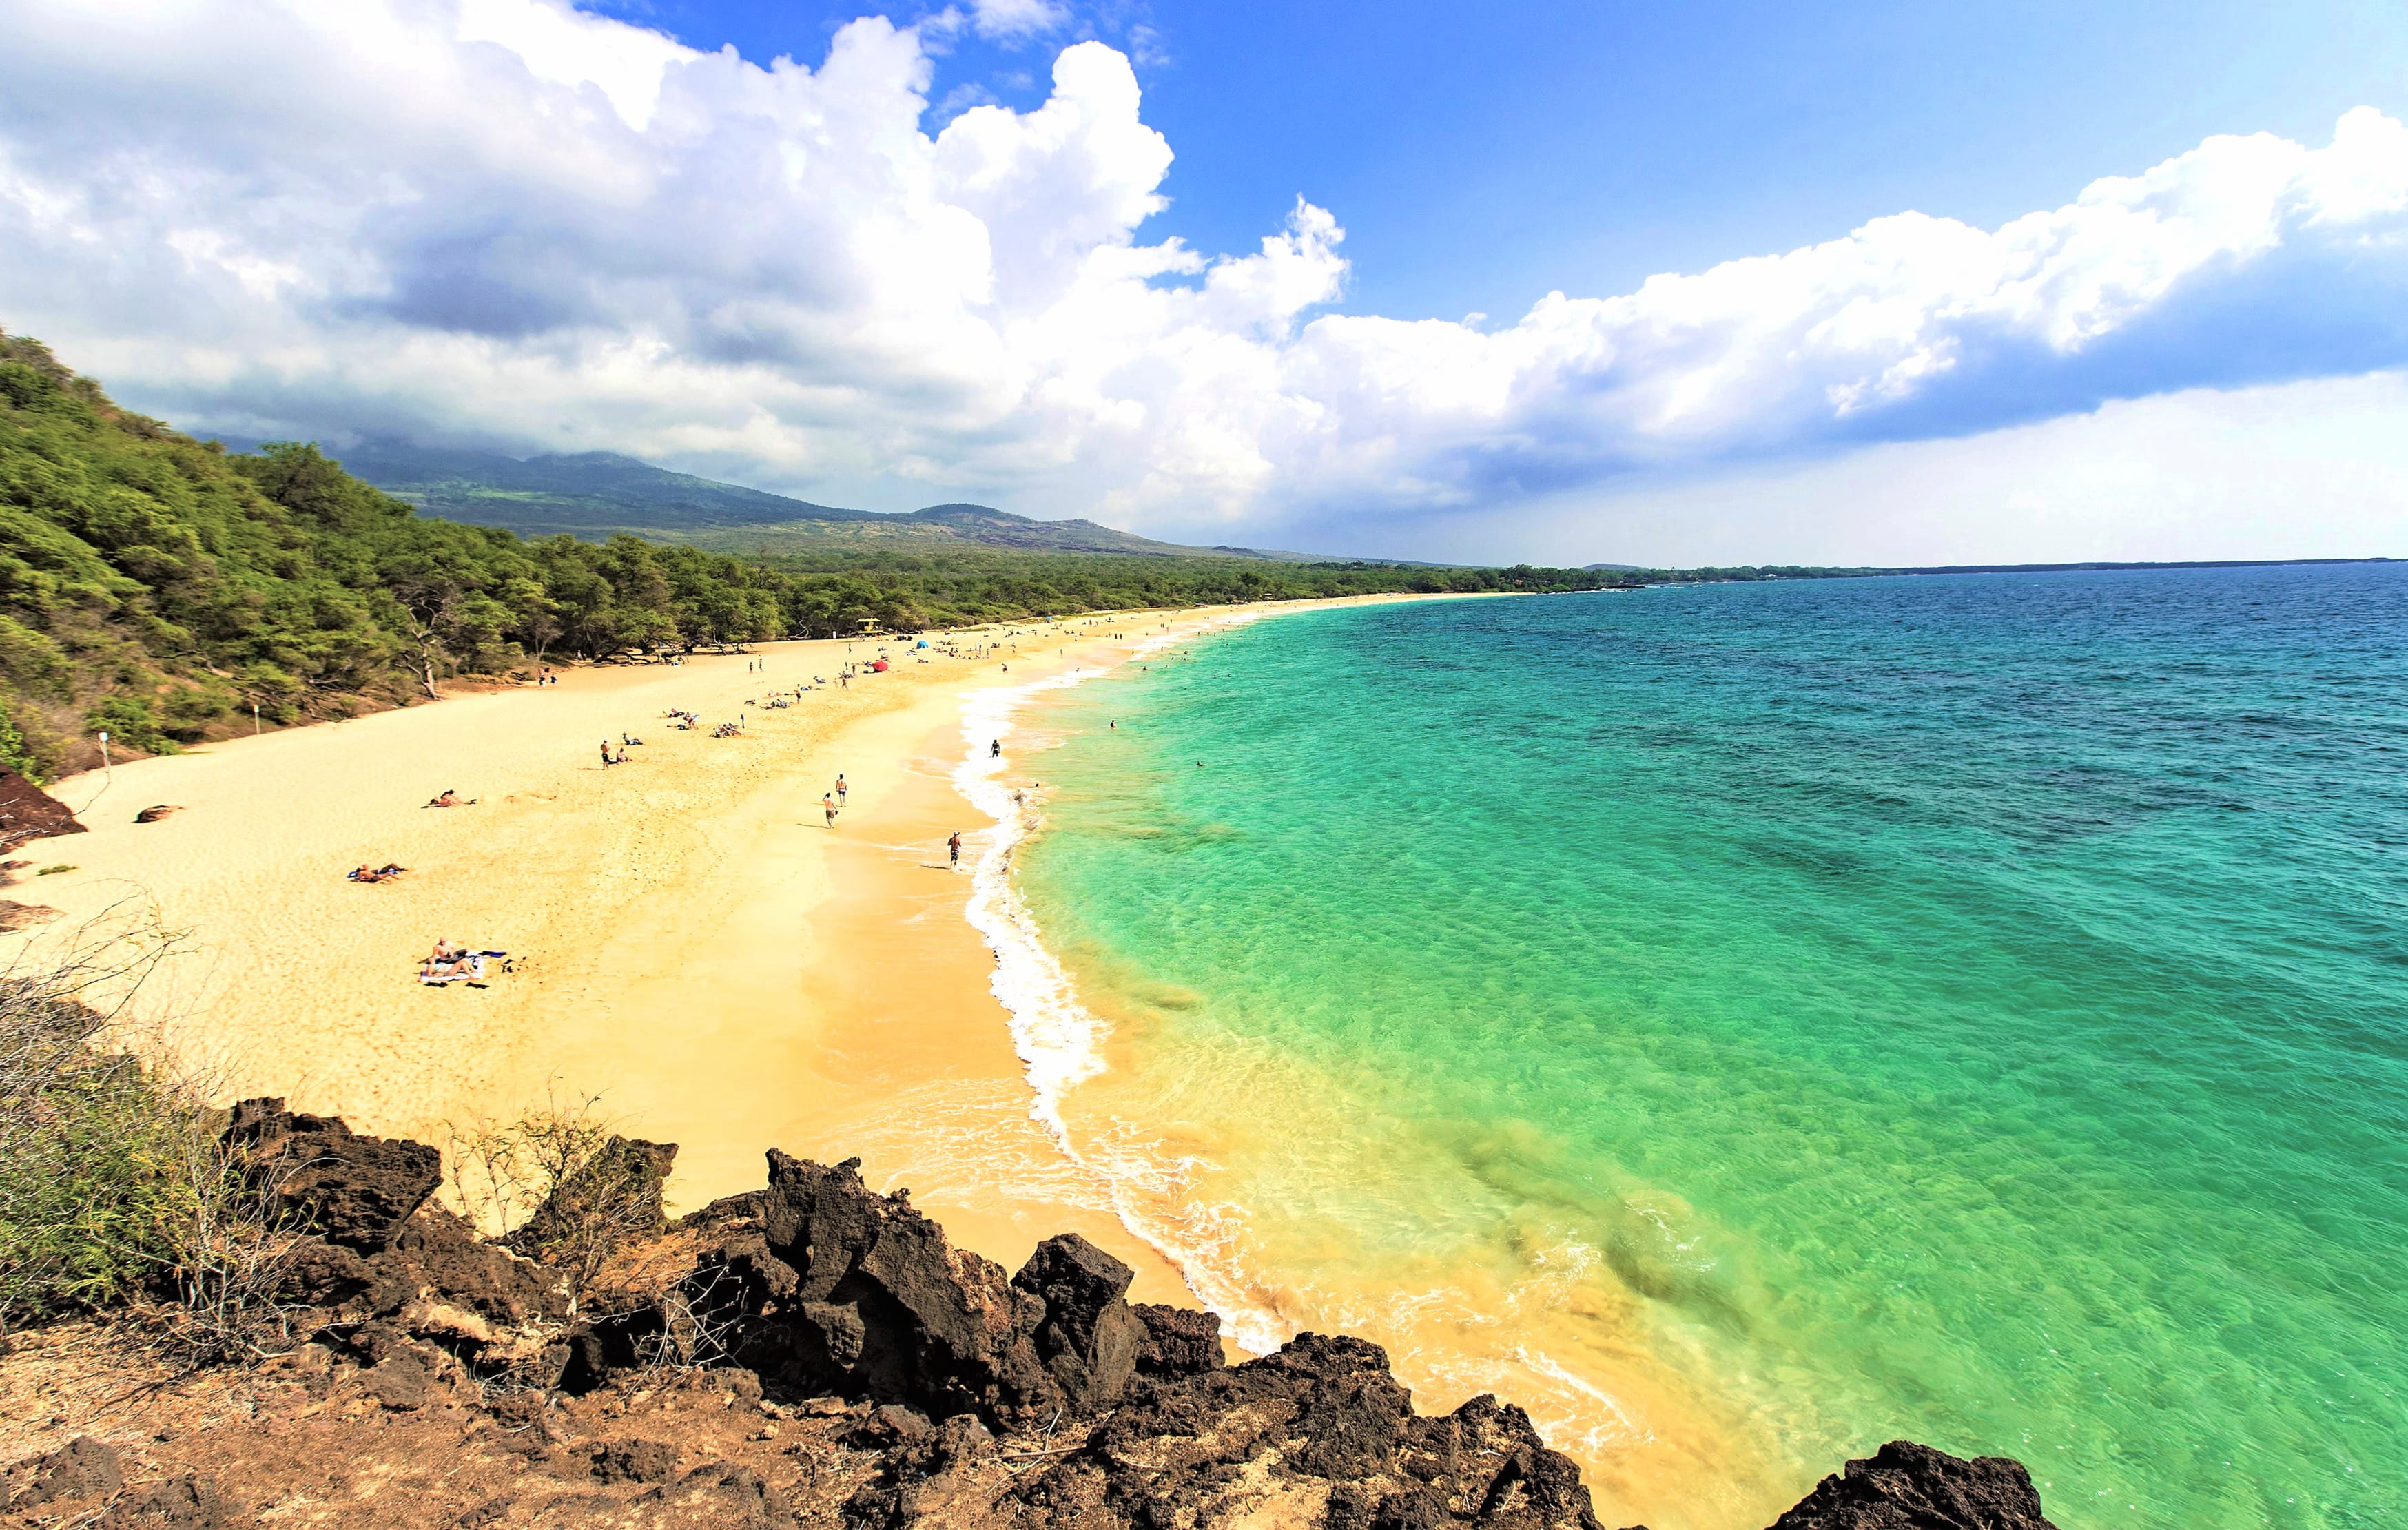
(509, 222)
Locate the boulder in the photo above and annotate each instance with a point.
(24, 916)
(1089, 1339)
(1905, 1486)
(633, 1460)
(28, 812)
(354, 1191)
(717, 1496)
(399, 1381)
(842, 1289)
(436, 1256)
(1178, 1341)
(81, 1468)
(1316, 1432)
(189, 1502)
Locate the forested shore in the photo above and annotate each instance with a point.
(167, 590)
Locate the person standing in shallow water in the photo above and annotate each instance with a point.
(995, 750)
(954, 845)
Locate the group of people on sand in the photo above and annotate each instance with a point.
(452, 963)
(832, 803)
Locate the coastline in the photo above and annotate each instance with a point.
(1559, 1340)
(691, 945)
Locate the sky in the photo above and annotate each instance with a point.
(1714, 283)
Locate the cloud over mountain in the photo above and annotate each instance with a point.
(509, 222)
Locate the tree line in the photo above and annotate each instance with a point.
(167, 590)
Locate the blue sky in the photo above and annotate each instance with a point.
(1481, 155)
(1712, 282)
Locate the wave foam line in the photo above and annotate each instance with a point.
(1059, 1041)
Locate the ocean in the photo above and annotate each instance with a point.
(1746, 1022)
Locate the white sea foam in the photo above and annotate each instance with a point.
(1060, 1041)
(1150, 1190)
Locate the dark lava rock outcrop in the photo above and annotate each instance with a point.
(919, 1386)
(1905, 1486)
(829, 1286)
(28, 812)
(354, 1191)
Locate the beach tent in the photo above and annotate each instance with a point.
(879, 667)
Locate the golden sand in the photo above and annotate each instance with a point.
(691, 941)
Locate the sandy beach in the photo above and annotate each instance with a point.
(691, 943)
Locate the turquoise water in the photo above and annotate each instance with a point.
(1967, 1008)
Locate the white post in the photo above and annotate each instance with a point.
(255, 720)
(104, 751)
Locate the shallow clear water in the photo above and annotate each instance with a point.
(1754, 1022)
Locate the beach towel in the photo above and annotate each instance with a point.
(476, 973)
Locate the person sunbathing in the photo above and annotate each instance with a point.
(443, 963)
(451, 798)
(449, 963)
(384, 873)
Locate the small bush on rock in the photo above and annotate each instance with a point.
(559, 1186)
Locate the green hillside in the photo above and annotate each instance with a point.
(594, 494)
(160, 588)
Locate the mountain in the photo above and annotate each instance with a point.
(593, 494)
(585, 493)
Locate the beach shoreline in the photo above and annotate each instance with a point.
(692, 948)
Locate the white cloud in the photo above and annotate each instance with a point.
(510, 220)
(1016, 18)
(2312, 470)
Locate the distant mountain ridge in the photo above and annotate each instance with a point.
(595, 494)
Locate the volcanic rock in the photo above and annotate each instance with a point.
(842, 1289)
(621, 1183)
(189, 1502)
(354, 1191)
(635, 1461)
(1178, 1341)
(28, 812)
(717, 1496)
(1317, 1432)
(78, 1469)
(1089, 1339)
(24, 916)
(1905, 1486)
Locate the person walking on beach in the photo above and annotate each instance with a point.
(841, 788)
(830, 803)
(954, 845)
(995, 750)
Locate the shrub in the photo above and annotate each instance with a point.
(559, 1186)
(129, 721)
(116, 1187)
